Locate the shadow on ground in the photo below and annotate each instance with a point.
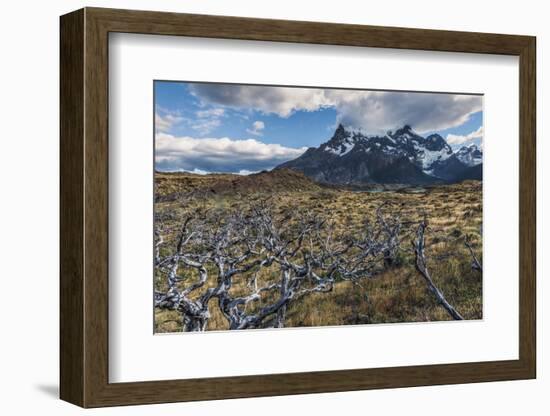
(51, 390)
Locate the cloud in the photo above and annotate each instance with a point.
(198, 171)
(213, 112)
(165, 122)
(203, 122)
(372, 111)
(454, 139)
(205, 126)
(207, 120)
(219, 154)
(283, 101)
(246, 172)
(257, 128)
(377, 112)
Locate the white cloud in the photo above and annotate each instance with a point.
(165, 122)
(205, 126)
(213, 112)
(454, 139)
(219, 154)
(246, 172)
(207, 120)
(204, 122)
(377, 112)
(373, 111)
(257, 128)
(198, 171)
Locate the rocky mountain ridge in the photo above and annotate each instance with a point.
(401, 156)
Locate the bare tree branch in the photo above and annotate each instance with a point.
(476, 265)
(254, 265)
(422, 268)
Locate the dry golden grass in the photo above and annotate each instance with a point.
(398, 294)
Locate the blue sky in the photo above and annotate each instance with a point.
(203, 127)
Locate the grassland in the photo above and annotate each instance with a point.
(395, 294)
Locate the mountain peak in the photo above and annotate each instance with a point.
(435, 142)
(340, 132)
(470, 155)
(340, 128)
(402, 156)
(406, 130)
(434, 137)
(472, 147)
(340, 143)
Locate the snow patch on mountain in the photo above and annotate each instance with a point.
(428, 157)
(342, 149)
(346, 148)
(398, 156)
(470, 155)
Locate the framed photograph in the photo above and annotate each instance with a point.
(255, 207)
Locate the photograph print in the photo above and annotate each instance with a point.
(290, 206)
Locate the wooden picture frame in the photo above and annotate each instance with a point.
(84, 207)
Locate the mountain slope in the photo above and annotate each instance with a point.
(472, 172)
(399, 157)
(170, 185)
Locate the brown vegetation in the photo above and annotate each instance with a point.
(396, 292)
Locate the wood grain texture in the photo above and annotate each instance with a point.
(71, 208)
(84, 206)
(96, 208)
(527, 208)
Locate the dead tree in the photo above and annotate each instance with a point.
(382, 236)
(311, 259)
(422, 268)
(227, 251)
(300, 271)
(180, 297)
(234, 249)
(244, 244)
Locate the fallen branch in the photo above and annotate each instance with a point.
(476, 265)
(422, 268)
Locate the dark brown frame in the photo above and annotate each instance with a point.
(84, 207)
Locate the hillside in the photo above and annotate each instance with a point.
(169, 185)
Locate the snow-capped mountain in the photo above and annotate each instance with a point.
(470, 155)
(398, 157)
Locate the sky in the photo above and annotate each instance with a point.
(236, 128)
